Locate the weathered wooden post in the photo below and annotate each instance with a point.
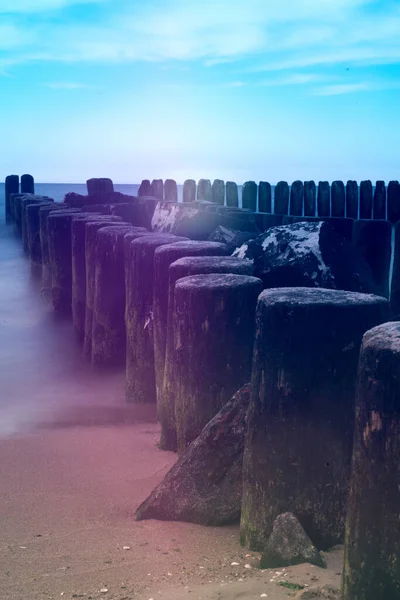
(379, 207)
(108, 327)
(33, 230)
(372, 547)
(213, 343)
(99, 186)
(189, 190)
(301, 417)
(44, 211)
(310, 199)
(11, 187)
(395, 284)
(323, 199)
(171, 190)
(157, 188)
(393, 201)
(281, 197)
(296, 198)
(249, 195)
(27, 184)
(164, 256)
(352, 199)
(185, 267)
(91, 229)
(264, 197)
(145, 188)
(60, 257)
(140, 373)
(232, 195)
(338, 199)
(218, 191)
(78, 241)
(25, 200)
(204, 191)
(365, 199)
(374, 240)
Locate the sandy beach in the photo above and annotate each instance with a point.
(67, 502)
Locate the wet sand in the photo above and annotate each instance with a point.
(75, 462)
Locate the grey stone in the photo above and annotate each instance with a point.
(308, 254)
(205, 485)
(289, 545)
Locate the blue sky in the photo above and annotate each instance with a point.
(254, 89)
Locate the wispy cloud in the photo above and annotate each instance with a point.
(38, 6)
(292, 35)
(294, 79)
(64, 85)
(344, 88)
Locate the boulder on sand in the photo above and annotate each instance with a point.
(308, 254)
(289, 545)
(324, 592)
(205, 485)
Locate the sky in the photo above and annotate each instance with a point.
(230, 89)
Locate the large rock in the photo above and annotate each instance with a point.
(231, 237)
(289, 545)
(308, 254)
(205, 485)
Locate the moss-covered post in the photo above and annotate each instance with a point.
(213, 335)
(78, 241)
(338, 199)
(170, 190)
(27, 184)
(264, 197)
(281, 198)
(301, 416)
(379, 205)
(310, 198)
(232, 195)
(163, 258)
(218, 191)
(393, 201)
(184, 267)
(372, 546)
(108, 327)
(140, 373)
(324, 199)
(11, 187)
(374, 240)
(189, 190)
(352, 199)
(365, 199)
(249, 195)
(204, 191)
(296, 198)
(33, 231)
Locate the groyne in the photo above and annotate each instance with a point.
(315, 357)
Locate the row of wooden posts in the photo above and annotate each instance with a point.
(339, 199)
(192, 325)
